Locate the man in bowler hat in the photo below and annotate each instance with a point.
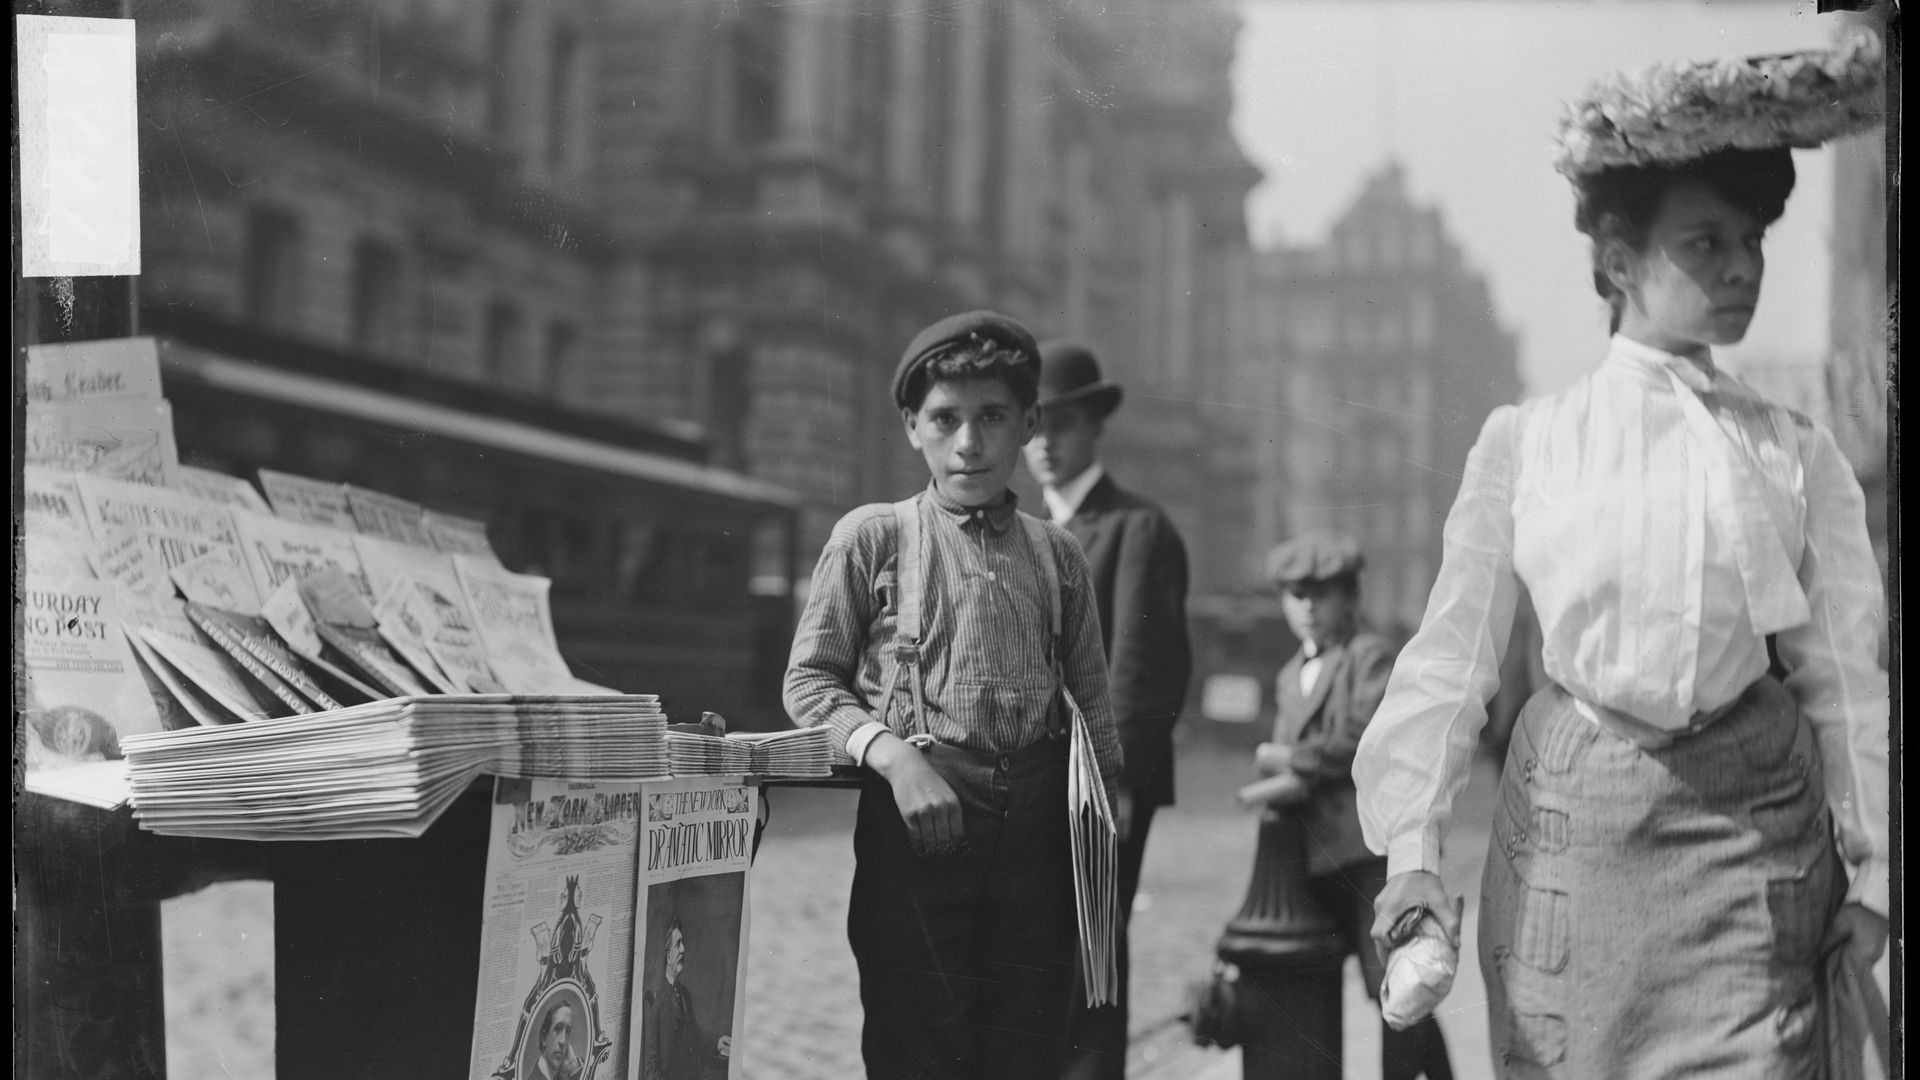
(1139, 570)
(1326, 694)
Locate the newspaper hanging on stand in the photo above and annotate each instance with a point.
(556, 941)
(689, 978)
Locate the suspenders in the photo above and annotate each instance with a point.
(910, 579)
(909, 568)
(1091, 827)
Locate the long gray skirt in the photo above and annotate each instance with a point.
(1656, 913)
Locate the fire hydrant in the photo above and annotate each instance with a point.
(1284, 959)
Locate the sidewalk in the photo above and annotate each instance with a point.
(1179, 928)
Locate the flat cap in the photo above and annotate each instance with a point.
(954, 331)
(1315, 556)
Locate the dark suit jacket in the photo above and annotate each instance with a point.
(1139, 571)
(1324, 730)
(678, 1047)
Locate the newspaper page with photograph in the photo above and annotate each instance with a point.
(689, 975)
(556, 940)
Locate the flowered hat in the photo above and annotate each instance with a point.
(1675, 112)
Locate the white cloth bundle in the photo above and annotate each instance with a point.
(1419, 974)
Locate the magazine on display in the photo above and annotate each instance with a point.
(95, 407)
(220, 691)
(218, 487)
(689, 976)
(309, 501)
(515, 624)
(125, 438)
(455, 535)
(250, 639)
(55, 536)
(277, 550)
(81, 689)
(291, 620)
(123, 556)
(556, 944)
(181, 529)
(112, 367)
(403, 626)
(351, 637)
(387, 516)
(433, 602)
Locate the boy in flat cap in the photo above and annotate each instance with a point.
(1326, 694)
(1139, 570)
(962, 918)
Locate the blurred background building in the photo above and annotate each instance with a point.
(693, 238)
(719, 220)
(1375, 358)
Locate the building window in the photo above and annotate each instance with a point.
(502, 344)
(938, 128)
(729, 398)
(376, 298)
(563, 109)
(756, 38)
(872, 47)
(1420, 319)
(501, 32)
(273, 268)
(557, 358)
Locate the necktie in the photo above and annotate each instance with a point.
(1774, 599)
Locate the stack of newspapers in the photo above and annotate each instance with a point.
(385, 769)
(803, 753)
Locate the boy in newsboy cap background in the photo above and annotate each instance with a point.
(962, 916)
(1325, 696)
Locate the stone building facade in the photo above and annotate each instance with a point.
(720, 218)
(1374, 360)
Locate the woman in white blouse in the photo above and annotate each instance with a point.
(1662, 875)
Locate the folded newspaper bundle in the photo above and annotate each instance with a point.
(1096, 869)
(804, 753)
(385, 769)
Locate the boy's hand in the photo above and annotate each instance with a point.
(1411, 889)
(927, 803)
(1860, 929)
(1286, 789)
(1123, 811)
(1273, 758)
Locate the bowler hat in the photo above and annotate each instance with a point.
(954, 331)
(1070, 373)
(1315, 556)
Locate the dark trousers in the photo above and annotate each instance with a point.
(1097, 1038)
(965, 958)
(1346, 893)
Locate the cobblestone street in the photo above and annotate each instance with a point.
(803, 1003)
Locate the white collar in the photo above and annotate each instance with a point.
(1064, 501)
(1652, 363)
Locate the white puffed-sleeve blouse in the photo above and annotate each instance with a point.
(1665, 520)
